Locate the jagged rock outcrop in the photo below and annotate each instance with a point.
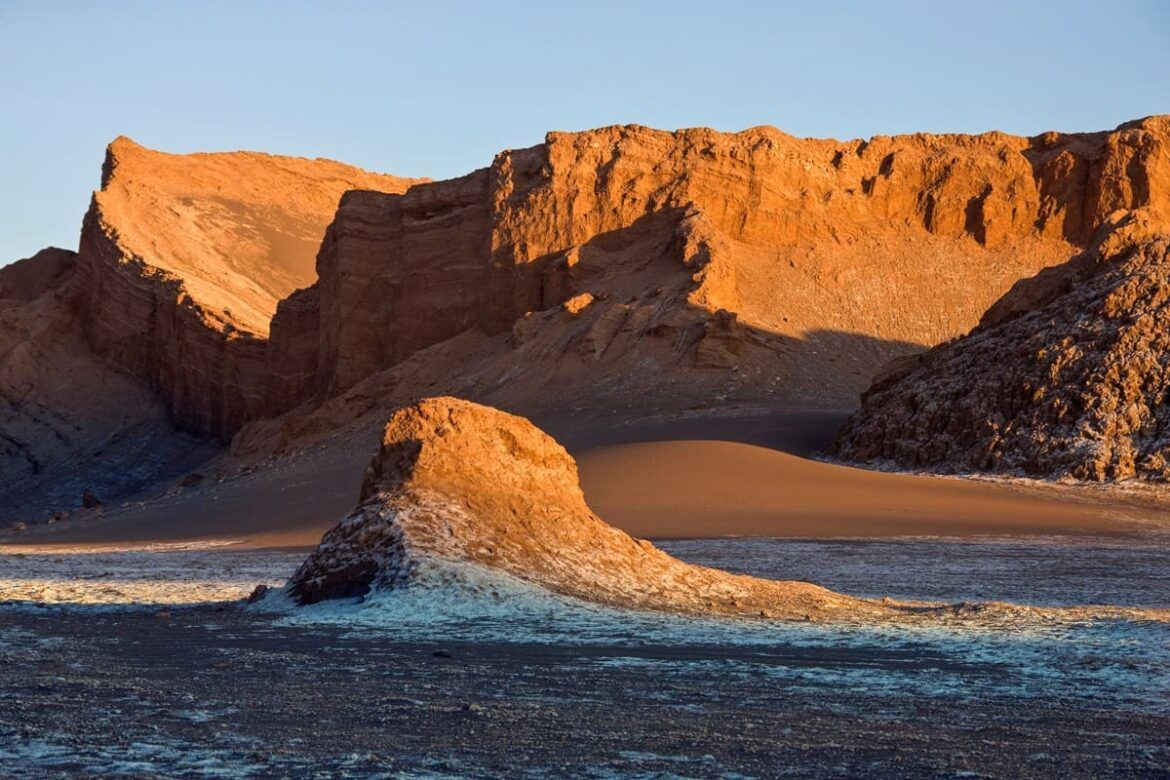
(184, 259)
(835, 256)
(456, 483)
(1067, 376)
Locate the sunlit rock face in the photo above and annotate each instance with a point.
(184, 260)
(459, 487)
(697, 247)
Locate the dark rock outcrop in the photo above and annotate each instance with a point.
(1067, 376)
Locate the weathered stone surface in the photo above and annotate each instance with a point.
(459, 483)
(68, 422)
(183, 260)
(465, 502)
(1067, 376)
(888, 243)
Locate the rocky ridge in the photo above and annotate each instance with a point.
(694, 267)
(183, 262)
(1067, 376)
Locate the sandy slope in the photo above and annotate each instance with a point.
(680, 477)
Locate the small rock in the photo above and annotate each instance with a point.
(191, 480)
(441, 654)
(90, 501)
(259, 592)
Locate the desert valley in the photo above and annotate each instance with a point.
(309, 469)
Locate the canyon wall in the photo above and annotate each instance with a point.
(795, 267)
(854, 251)
(184, 260)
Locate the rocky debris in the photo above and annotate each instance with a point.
(191, 480)
(1067, 376)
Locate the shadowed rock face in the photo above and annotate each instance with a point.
(1067, 376)
(459, 483)
(69, 423)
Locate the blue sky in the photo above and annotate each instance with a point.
(436, 88)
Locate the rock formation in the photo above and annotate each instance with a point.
(752, 266)
(1067, 376)
(465, 498)
(184, 260)
(459, 483)
(696, 247)
(68, 422)
(596, 270)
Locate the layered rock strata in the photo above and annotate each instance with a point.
(184, 260)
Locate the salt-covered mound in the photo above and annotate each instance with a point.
(463, 500)
(1067, 375)
(459, 483)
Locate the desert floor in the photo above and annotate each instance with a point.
(126, 649)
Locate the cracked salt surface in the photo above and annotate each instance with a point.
(1116, 660)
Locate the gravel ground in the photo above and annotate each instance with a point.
(217, 691)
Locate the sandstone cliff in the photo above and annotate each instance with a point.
(847, 251)
(184, 259)
(1067, 375)
(597, 270)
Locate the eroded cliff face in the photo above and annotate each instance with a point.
(695, 267)
(1067, 376)
(184, 259)
(71, 425)
(695, 247)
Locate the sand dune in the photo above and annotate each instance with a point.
(715, 488)
(686, 476)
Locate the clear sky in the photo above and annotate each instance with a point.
(432, 88)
